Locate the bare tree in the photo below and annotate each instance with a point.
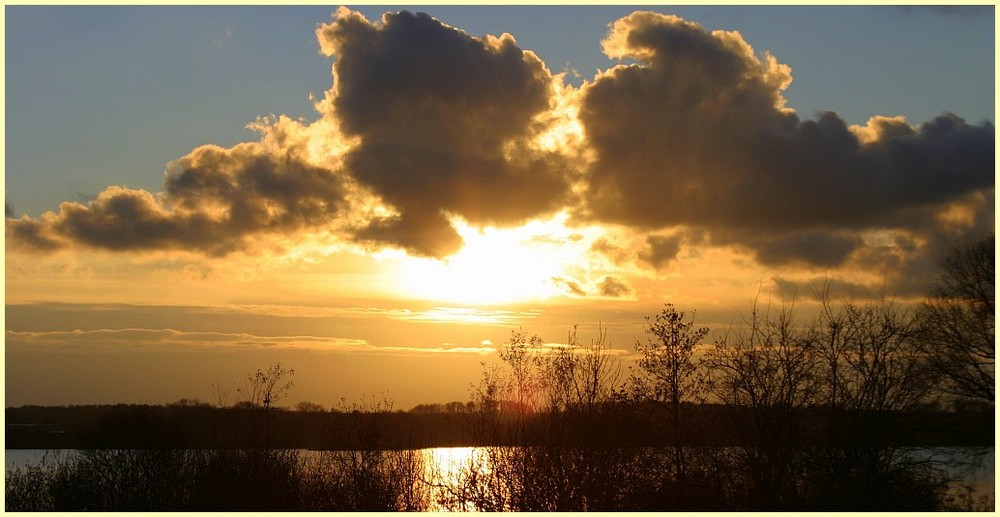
(597, 373)
(264, 388)
(576, 376)
(261, 390)
(518, 353)
(670, 374)
(873, 373)
(764, 373)
(557, 394)
(221, 394)
(872, 362)
(957, 321)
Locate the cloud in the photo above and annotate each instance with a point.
(612, 287)
(171, 340)
(692, 144)
(167, 339)
(814, 288)
(465, 315)
(697, 134)
(819, 247)
(445, 124)
(215, 201)
(421, 230)
(614, 252)
(570, 286)
(608, 287)
(663, 249)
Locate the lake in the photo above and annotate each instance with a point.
(445, 465)
(442, 464)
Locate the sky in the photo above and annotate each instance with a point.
(377, 196)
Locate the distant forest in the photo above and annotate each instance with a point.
(194, 426)
(828, 414)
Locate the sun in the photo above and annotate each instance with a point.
(496, 265)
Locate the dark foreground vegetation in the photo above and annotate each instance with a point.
(220, 480)
(837, 413)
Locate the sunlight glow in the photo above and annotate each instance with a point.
(563, 131)
(469, 315)
(497, 266)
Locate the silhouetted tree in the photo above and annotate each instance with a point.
(261, 390)
(765, 375)
(517, 353)
(309, 407)
(221, 393)
(874, 373)
(575, 377)
(670, 374)
(363, 475)
(957, 321)
(560, 460)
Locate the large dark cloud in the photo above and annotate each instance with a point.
(696, 134)
(214, 200)
(816, 247)
(443, 121)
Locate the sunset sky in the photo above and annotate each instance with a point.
(377, 198)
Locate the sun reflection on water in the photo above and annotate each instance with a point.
(448, 467)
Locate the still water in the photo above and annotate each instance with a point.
(442, 465)
(30, 457)
(446, 460)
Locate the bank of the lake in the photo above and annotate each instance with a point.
(203, 426)
(436, 479)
